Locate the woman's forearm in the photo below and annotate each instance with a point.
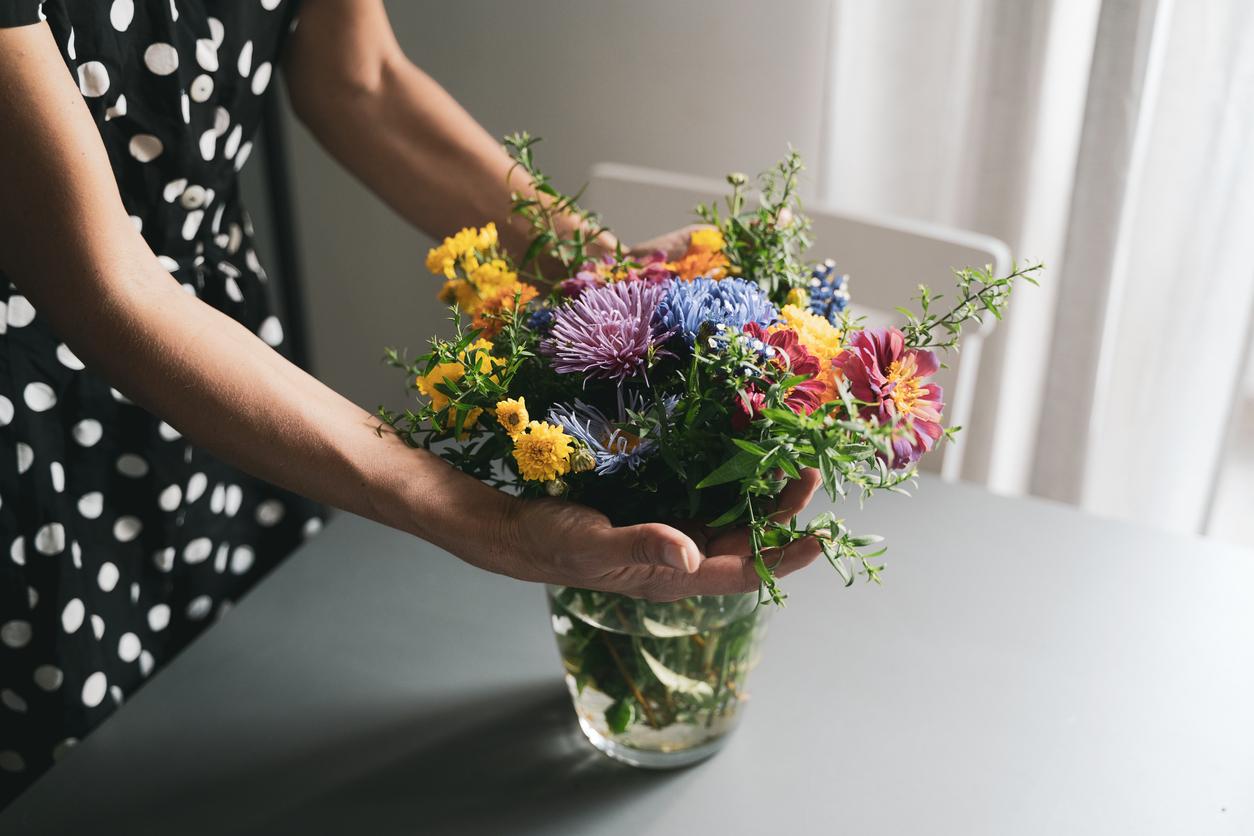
(67, 243)
(231, 394)
(396, 129)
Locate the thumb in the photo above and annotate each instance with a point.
(650, 544)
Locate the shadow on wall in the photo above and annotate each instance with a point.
(626, 82)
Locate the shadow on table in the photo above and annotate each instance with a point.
(511, 762)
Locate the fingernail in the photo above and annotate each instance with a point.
(675, 556)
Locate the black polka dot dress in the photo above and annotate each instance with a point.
(119, 540)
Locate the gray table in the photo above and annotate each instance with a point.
(1026, 669)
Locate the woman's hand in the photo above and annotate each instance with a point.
(561, 542)
(674, 243)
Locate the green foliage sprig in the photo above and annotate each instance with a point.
(979, 292)
(561, 229)
(767, 243)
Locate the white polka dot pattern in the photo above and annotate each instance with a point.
(117, 508)
(94, 689)
(107, 577)
(161, 58)
(93, 79)
(146, 147)
(121, 13)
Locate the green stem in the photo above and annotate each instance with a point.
(631, 683)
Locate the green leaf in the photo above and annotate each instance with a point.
(540, 242)
(793, 380)
(620, 714)
(731, 514)
(676, 681)
(774, 538)
(734, 469)
(789, 467)
(750, 447)
(781, 416)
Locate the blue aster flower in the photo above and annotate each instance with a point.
(612, 448)
(541, 320)
(827, 290)
(733, 303)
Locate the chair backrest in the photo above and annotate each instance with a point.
(886, 259)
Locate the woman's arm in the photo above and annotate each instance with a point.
(67, 243)
(395, 128)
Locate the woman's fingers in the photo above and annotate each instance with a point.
(649, 544)
(791, 501)
(729, 574)
(572, 544)
(796, 495)
(674, 244)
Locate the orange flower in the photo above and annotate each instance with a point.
(495, 310)
(704, 256)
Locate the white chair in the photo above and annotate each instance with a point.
(886, 259)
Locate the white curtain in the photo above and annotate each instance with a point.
(1113, 139)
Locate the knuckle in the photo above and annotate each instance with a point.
(639, 553)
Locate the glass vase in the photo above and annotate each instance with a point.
(657, 685)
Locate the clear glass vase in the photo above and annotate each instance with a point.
(657, 685)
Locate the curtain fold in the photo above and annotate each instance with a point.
(1110, 138)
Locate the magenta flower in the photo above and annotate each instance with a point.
(890, 380)
(598, 272)
(652, 269)
(607, 332)
(582, 281)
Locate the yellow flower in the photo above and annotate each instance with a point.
(512, 413)
(436, 258)
(707, 239)
(461, 292)
(543, 452)
(491, 275)
(821, 338)
(797, 296)
(461, 249)
(442, 373)
(486, 238)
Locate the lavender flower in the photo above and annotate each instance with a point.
(608, 332)
(730, 302)
(612, 448)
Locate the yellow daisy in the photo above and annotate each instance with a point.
(543, 452)
(512, 413)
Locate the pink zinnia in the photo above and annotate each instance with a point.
(607, 332)
(889, 379)
(788, 353)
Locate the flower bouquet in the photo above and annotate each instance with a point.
(686, 389)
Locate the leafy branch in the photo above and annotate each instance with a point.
(549, 213)
(979, 292)
(767, 243)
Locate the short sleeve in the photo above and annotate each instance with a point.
(20, 12)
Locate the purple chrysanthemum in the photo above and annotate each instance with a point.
(608, 332)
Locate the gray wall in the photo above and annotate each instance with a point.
(704, 88)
